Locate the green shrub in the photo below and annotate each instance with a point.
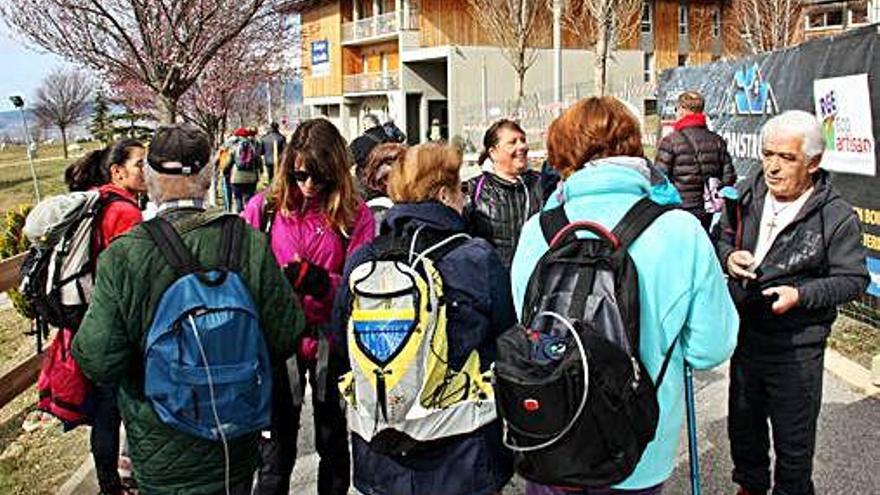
(12, 242)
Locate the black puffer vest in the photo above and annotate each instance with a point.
(497, 209)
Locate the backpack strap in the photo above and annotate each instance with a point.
(232, 233)
(267, 213)
(637, 219)
(171, 246)
(552, 222)
(665, 364)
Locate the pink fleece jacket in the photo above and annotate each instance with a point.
(308, 233)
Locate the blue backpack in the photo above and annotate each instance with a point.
(207, 369)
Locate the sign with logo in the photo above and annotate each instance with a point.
(752, 94)
(874, 273)
(836, 78)
(320, 58)
(843, 104)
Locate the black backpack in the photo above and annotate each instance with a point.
(578, 406)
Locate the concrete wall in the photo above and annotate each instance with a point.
(465, 81)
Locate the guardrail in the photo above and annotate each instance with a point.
(372, 81)
(25, 373)
(379, 25)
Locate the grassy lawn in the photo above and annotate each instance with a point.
(856, 340)
(16, 182)
(40, 462)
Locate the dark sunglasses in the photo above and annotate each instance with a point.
(302, 176)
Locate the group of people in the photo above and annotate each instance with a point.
(241, 160)
(790, 256)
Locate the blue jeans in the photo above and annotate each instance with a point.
(105, 439)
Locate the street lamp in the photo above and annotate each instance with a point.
(18, 102)
(557, 54)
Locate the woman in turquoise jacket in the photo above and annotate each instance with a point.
(596, 145)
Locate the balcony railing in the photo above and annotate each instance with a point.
(372, 81)
(379, 25)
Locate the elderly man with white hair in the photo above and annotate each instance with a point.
(794, 255)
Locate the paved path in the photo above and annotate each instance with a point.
(847, 460)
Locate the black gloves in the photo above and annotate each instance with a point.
(307, 278)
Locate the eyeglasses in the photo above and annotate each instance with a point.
(302, 176)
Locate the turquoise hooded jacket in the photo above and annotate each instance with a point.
(681, 289)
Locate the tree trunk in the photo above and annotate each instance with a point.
(167, 106)
(63, 139)
(601, 63)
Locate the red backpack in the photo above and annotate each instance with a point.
(64, 390)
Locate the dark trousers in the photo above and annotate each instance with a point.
(241, 194)
(105, 439)
(789, 395)
(331, 440)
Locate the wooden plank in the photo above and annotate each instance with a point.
(9, 272)
(666, 34)
(18, 380)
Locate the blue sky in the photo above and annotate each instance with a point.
(24, 68)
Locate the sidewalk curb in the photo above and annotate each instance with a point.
(850, 372)
(79, 478)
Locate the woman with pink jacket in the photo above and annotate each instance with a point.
(314, 219)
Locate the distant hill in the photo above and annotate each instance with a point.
(11, 128)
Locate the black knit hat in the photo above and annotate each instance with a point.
(179, 149)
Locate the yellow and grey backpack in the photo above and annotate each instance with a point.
(401, 392)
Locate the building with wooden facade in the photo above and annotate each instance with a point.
(420, 62)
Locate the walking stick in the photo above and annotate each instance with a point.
(693, 452)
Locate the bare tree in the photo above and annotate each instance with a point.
(604, 25)
(518, 27)
(62, 100)
(162, 44)
(766, 25)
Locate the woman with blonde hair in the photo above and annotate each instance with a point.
(315, 220)
(426, 221)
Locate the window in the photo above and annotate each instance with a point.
(682, 19)
(716, 23)
(682, 59)
(858, 16)
(384, 62)
(647, 17)
(364, 66)
(825, 19)
(648, 67)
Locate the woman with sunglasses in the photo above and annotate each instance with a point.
(314, 219)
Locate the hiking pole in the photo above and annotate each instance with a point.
(693, 452)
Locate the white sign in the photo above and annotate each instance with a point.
(320, 58)
(844, 106)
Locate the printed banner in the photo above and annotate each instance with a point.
(320, 58)
(844, 106)
(836, 76)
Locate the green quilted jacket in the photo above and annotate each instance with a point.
(131, 277)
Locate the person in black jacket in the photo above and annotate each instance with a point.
(507, 192)
(374, 134)
(794, 257)
(272, 145)
(696, 159)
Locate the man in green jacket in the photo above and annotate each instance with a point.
(132, 276)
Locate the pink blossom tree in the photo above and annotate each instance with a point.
(162, 45)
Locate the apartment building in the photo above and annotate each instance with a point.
(427, 63)
(824, 17)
